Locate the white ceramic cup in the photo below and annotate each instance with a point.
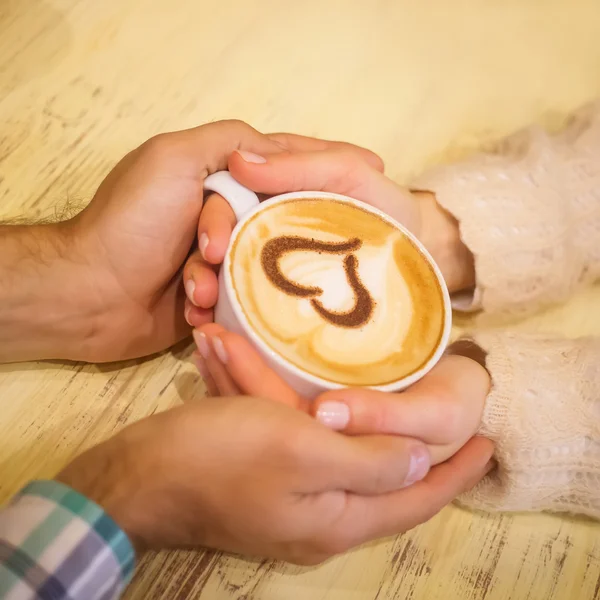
(230, 315)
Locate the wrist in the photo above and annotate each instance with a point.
(101, 475)
(440, 234)
(43, 311)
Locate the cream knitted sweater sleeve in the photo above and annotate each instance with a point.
(543, 414)
(530, 213)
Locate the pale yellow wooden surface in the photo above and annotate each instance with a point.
(83, 81)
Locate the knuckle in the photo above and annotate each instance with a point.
(449, 413)
(158, 146)
(381, 472)
(236, 125)
(384, 416)
(351, 160)
(377, 162)
(350, 170)
(387, 464)
(281, 139)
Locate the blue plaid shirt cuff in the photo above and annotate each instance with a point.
(56, 544)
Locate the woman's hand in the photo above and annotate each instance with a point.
(443, 410)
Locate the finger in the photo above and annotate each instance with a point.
(200, 281)
(209, 382)
(453, 477)
(367, 518)
(193, 154)
(248, 369)
(367, 465)
(301, 143)
(224, 383)
(195, 316)
(334, 170)
(217, 221)
(212, 143)
(444, 407)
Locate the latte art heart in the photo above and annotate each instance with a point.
(277, 247)
(337, 291)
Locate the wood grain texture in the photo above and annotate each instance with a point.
(82, 82)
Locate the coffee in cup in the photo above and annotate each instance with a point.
(333, 292)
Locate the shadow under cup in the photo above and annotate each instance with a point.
(296, 282)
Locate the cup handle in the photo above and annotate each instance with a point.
(240, 198)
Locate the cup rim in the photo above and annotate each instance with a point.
(326, 384)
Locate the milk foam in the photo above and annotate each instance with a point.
(406, 321)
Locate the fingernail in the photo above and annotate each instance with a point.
(220, 349)
(418, 466)
(203, 244)
(202, 343)
(335, 415)
(186, 314)
(250, 157)
(190, 288)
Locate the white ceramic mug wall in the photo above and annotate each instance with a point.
(228, 311)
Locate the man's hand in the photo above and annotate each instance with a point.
(257, 477)
(106, 285)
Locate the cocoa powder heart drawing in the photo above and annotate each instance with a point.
(276, 248)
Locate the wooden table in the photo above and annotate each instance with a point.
(84, 81)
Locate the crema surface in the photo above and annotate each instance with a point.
(337, 291)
